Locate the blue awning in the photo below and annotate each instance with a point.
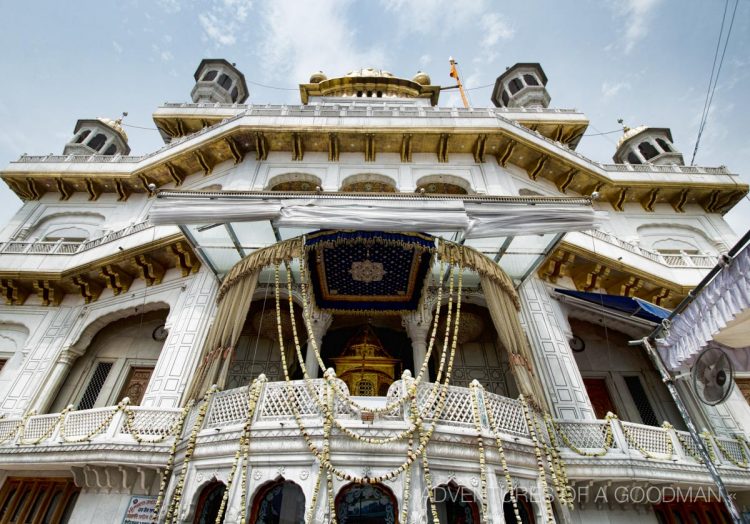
(635, 307)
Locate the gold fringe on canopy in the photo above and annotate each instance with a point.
(284, 251)
(470, 258)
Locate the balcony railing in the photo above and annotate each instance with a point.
(681, 260)
(60, 247)
(123, 424)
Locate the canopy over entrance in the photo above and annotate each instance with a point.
(517, 233)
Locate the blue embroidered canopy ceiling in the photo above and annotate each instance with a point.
(368, 272)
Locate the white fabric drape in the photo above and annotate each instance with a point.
(477, 220)
(723, 299)
(488, 219)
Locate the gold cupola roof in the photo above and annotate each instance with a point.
(369, 82)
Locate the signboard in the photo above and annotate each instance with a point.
(140, 510)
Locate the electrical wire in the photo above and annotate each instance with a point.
(139, 127)
(712, 89)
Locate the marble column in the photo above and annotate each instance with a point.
(55, 381)
(548, 332)
(321, 321)
(417, 325)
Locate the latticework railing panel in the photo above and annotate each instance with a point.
(151, 421)
(85, 422)
(651, 439)
(457, 408)
(227, 408)
(276, 397)
(733, 451)
(587, 436)
(507, 414)
(39, 425)
(9, 429)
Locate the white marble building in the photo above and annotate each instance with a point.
(114, 280)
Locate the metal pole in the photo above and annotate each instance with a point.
(666, 377)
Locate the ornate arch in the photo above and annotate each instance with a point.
(208, 500)
(525, 508)
(456, 504)
(273, 496)
(294, 182)
(445, 184)
(82, 218)
(382, 505)
(97, 322)
(369, 183)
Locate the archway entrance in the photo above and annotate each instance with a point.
(278, 502)
(209, 502)
(366, 504)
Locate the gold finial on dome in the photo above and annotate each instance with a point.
(318, 77)
(421, 78)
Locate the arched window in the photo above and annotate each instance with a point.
(225, 81)
(111, 150)
(82, 136)
(664, 145)
(505, 97)
(235, 93)
(454, 505)
(633, 158)
(278, 502)
(209, 502)
(515, 86)
(209, 76)
(366, 503)
(97, 142)
(648, 150)
(525, 511)
(530, 80)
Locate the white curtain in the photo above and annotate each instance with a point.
(492, 220)
(720, 307)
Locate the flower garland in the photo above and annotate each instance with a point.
(632, 442)
(407, 474)
(688, 448)
(556, 467)
(390, 406)
(504, 464)
(562, 484)
(325, 458)
(174, 504)
(253, 393)
(330, 376)
(101, 427)
(706, 436)
(728, 455)
(606, 446)
(170, 461)
(475, 392)
(540, 463)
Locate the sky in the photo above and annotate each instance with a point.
(645, 61)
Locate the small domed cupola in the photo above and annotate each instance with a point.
(647, 145)
(100, 136)
(216, 80)
(368, 82)
(421, 78)
(521, 85)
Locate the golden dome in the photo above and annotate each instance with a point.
(116, 126)
(365, 343)
(370, 72)
(421, 78)
(629, 133)
(318, 77)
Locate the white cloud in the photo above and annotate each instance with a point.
(636, 15)
(425, 60)
(434, 16)
(297, 42)
(610, 90)
(494, 28)
(118, 47)
(166, 56)
(222, 21)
